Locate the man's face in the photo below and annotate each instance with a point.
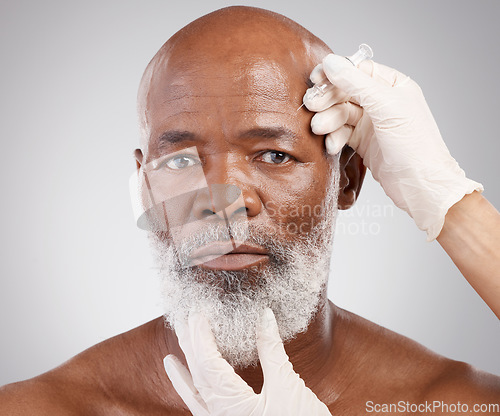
(242, 120)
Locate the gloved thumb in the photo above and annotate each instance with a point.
(273, 358)
(361, 87)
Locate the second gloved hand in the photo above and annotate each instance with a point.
(211, 386)
(382, 114)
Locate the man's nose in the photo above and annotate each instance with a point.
(226, 198)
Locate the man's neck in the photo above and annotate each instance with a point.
(309, 352)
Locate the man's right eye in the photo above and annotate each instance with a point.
(179, 162)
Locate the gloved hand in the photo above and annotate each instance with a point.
(213, 387)
(382, 114)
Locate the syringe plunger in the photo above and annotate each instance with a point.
(363, 53)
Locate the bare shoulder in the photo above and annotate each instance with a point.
(37, 396)
(392, 368)
(60, 391)
(120, 376)
(462, 387)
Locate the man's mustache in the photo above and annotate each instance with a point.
(237, 234)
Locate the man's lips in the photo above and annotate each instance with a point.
(227, 255)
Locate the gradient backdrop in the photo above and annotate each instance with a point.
(74, 268)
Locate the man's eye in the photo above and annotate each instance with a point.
(276, 157)
(180, 162)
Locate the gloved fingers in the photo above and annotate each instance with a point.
(331, 97)
(272, 355)
(365, 90)
(382, 73)
(367, 67)
(183, 384)
(212, 374)
(337, 139)
(362, 135)
(335, 117)
(182, 333)
(314, 102)
(317, 74)
(335, 63)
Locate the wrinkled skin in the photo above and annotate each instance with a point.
(228, 79)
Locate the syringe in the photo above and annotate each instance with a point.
(320, 88)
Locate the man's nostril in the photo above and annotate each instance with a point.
(240, 210)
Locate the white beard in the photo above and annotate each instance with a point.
(291, 284)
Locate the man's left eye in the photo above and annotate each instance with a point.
(276, 157)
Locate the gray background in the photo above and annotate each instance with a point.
(75, 270)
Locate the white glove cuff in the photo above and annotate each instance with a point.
(465, 187)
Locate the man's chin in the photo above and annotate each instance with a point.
(249, 282)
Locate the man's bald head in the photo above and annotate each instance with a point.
(227, 42)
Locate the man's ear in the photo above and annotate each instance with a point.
(138, 158)
(352, 174)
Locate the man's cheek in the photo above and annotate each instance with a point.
(295, 218)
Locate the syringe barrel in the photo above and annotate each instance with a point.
(320, 88)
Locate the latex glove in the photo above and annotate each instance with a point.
(388, 123)
(213, 387)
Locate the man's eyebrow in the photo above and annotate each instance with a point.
(175, 137)
(269, 133)
(171, 137)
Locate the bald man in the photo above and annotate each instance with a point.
(220, 100)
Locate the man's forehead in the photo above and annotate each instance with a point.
(233, 77)
(198, 68)
(241, 95)
(238, 60)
